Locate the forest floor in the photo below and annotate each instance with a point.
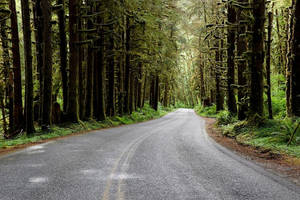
(68, 130)
(285, 165)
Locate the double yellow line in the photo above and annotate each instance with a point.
(125, 156)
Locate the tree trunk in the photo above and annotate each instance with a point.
(282, 62)
(242, 65)
(63, 52)
(72, 110)
(28, 67)
(4, 122)
(127, 69)
(18, 105)
(38, 24)
(219, 96)
(295, 69)
(268, 64)
(140, 86)
(231, 102)
(8, 76)
(81, 70)
(289, 47)
(47, 65)
(90, 75)
(156, 93)
(257, 85)
(99, 84)
(111, 78)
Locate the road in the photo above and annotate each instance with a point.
(171, 158)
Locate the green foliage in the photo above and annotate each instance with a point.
(210, 111)
(272, 134)
(278, 96)
(180, 104)
(146, 113)
(224, 117)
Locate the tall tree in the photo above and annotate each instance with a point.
(38, 24)
(63, 51)
(295, 60)
(268, 64)
(28, 67)
(257, 63)
(8, 76)
(242, 61)
(231, 102)
(17, 85)
(72, 109)
(47, 65)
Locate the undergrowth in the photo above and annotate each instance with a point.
(281, 134)
(144, 114)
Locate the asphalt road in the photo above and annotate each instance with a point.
(171, 158)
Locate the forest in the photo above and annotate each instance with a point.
(80, 60)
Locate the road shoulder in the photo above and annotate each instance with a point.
(283, 165)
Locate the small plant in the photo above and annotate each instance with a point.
(224, 118)
(287, 133)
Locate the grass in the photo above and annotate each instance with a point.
(144, 114)
(271, 134)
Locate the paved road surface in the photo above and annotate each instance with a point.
(170, 158)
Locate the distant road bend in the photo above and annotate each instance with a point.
(171, 158)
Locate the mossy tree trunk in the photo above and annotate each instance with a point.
(242, 63)
(63, 51)
(8, 75)
(231, 34)
(268, 64)
(257, 64)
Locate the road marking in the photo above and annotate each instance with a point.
(112, 174)
(129, 150)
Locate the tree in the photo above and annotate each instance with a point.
(63, 51)
(257, 63)
(72, 109)
(8, 76)
(47, 65)
(17, 85)
(268, 64)
(242, 62)
(231, 102)
(28, 67)
(295, 59)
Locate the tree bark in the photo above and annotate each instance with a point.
(127, 69)
(242, 65)
(17, 85)
(257, 85)
(268, 64)
(47, 65)
(38, 24)
(8, 76)
(72, 109)
(63, 52)
(219, 95)
(111, 78)
(295, 69)
(28, 67)
(231, 102)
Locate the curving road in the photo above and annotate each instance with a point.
(171, 158)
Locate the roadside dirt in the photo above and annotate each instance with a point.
(283, 165)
